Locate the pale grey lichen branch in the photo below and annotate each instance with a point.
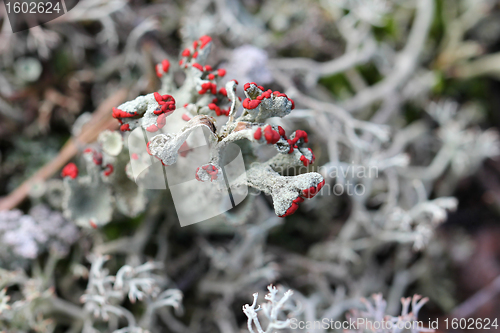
(272, 311)
(374, 316)
(105, 292)
(166, 146)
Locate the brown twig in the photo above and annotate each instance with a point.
(100, 121)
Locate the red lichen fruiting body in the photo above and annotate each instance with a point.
(293, 207)
(158, 97)
(97, 158)
(268, 93)
(162, 67)
(279, 94)
(117, 113)
(166, 102)
(299, 134)
(168, 108)
(306, 161)
(221, 72)
(197, 66)
(248, 84)
(271, 135)
(312, 191)
(109, 170)
(211, 76)
(186, 53)
(218, 110)
(184, 149)
(134, 156)
(125, 127)
(250, 104)
(147, 148)
(158, 70)
(211, 170)
(161, 121)
(186, 117)
(265, 94)
(204, 40)
(223, 91)
(165, 64)
(282, 132)
(257, 134)
(70, 170)
(92, 224)
(313, 158)
(205, 87)
(208, 68)
(152, 128)
(195, 44)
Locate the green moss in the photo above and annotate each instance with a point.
(472, 89)
(370, 73)
(412, 113)
(337, 84)
(63, 61)
(438, 25)
(388, 31)
(117, 229)
(440, 83)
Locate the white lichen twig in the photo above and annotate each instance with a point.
(272, 310)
